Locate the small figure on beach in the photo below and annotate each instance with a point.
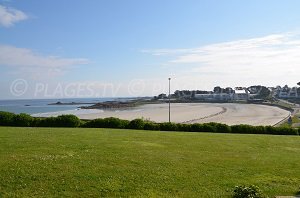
(290, 120)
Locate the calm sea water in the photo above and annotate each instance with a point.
(42, 105)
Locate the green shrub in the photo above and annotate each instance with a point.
(68, 121)
(184, 127)
(6, 118)
(46, 122)
(196, 127)
(206, 127)
(242, 128)
(22, 120)
(281, 131)
(59, 121)
(151, 126)
(106, 123)
(168, 126)
(247, 192)
(115, 123)
(258, 129)
(96, 123)
(136, 124)
(270, 130)
(220, 128)
(36, 122)
(290, 131)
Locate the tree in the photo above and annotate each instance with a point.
(229, 90)
(177, 94)
(298, 83)
(217, 89)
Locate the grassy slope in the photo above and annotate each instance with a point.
(295, 121)
(91, 162)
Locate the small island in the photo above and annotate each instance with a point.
(71, 103)
(121, 104)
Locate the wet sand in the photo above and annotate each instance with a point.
(227, 113)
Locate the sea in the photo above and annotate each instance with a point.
(37, 106)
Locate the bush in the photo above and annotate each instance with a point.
(59, 121)
(281, 131)
(46, 122)
(151, 126)
(6, 118)
(206, 127)
(220, 128)
(136, 124)
(168, 126)
(68, 121)
(36, 122)
(258, 130)
(247, 192)
(290, 131)
(270, 130)
(184, 127)
(242, 128)
(23, 120)
(115, 123)
(96, 123)
(196, 127)
(106, 123)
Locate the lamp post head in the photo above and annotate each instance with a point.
(169, 78)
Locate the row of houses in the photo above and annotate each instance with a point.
(287, 92)
(252, 93)
(237, 95)
(256, 93)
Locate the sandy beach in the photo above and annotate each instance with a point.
(227, 113)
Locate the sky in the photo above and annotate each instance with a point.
(114, 48)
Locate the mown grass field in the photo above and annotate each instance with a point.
(48, 162)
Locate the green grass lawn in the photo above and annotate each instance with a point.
(48, 162)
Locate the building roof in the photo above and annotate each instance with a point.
(240, 91)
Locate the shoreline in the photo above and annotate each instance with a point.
(227, 113)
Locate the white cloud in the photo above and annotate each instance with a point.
(10, 16)
(26, 61)
(269, 60)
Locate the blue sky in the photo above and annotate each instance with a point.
(130, 48)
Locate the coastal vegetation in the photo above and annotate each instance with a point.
(85, 162)
(24, 120)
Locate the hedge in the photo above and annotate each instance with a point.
(59, 121)
(22, 120)
(25, 120)
(106, 123)
(6, 118)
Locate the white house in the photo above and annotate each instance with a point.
(214, 97)
(241, 95)
(287, 92)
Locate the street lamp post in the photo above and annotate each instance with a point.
(169, 100)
